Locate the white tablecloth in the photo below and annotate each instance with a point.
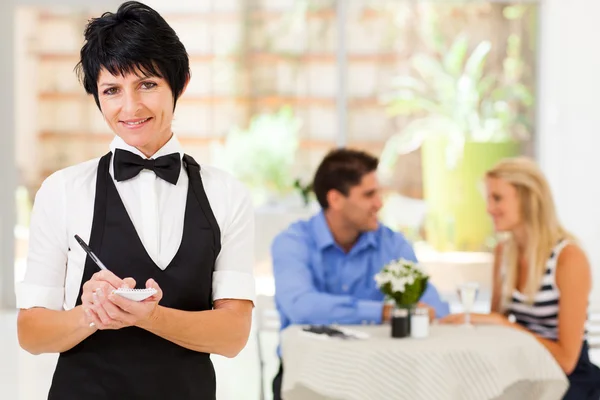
(454, 362)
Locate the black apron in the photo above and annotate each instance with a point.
(132, 363)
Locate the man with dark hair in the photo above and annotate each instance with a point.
(324, 267)
(181, 234)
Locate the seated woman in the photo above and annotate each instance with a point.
(541, 276)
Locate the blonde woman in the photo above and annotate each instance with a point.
(541, 276)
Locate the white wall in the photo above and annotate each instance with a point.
(569, 117)
(7, 159)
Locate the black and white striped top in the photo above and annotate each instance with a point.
(541, 316)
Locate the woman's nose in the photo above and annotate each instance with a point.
(131, 103)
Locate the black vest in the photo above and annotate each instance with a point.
(132, 363)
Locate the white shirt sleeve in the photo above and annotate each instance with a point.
(43, 284)
(233, 277)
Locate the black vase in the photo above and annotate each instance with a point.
(400, 323)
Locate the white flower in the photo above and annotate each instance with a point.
(381, 279)
(395, 269)
(399, 274)
(398, 284)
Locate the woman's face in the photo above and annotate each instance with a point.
(503, 204)
(137, 109)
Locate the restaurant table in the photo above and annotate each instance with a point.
(454, 362)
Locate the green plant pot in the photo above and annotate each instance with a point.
(456, 217)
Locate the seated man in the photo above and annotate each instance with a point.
(324, 267)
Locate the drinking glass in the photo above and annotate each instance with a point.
(467, 293)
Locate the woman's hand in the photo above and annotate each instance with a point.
(493, 318)
(133, 312)
(105, 310)
(93, 298)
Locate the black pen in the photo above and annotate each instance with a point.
(90, 253)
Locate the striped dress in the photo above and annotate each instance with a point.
(541, 317)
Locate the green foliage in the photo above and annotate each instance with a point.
(453, 94)
(262, 155)
(403, 281)
(305, 191)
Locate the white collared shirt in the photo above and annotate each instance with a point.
(64, 207)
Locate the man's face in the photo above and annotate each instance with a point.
(359, 209)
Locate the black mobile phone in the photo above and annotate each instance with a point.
(324, 330)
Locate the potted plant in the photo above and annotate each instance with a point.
(465, 118)
(403, 282)
(262, 156)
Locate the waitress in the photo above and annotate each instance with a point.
(155, 218)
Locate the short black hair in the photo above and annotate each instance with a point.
(341, 169)
(135, 39)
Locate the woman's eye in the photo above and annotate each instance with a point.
(110, 91)
(148, 85)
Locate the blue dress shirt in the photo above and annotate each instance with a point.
(317, 282)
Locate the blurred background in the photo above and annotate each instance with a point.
(439, 90)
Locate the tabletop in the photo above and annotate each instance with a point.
(453, 362)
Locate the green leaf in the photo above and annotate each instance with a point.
(262, 156)
(486, 84)
(408, 82)
(476, 61)
(432, 71)
(455, 57)
(514, 12)
(404, 105)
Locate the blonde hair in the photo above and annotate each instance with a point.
(538, 215)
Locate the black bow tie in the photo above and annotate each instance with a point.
(128, 165)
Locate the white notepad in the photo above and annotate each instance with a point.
(135, 294)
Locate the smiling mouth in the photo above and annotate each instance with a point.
(134, 123)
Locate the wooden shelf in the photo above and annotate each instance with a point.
(314, 144)
(232, 16)
(252, 57)
(265, 101)
(258, 57)
(224, 16)
(107, 137)
(60, 96)
(73, 58)
(327, 57)
(66, 135)
(308, 144)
